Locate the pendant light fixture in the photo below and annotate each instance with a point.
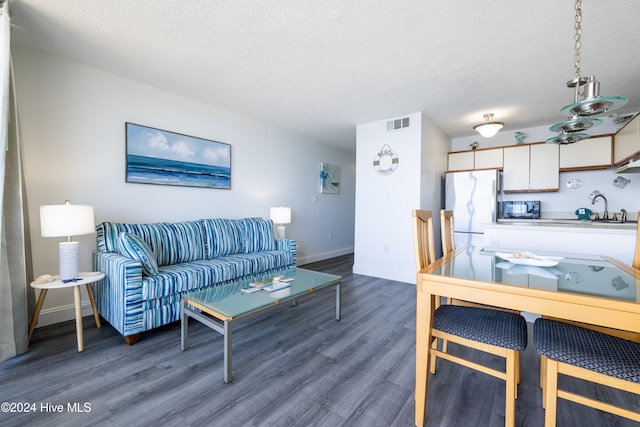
(587, 101)
(489, 127)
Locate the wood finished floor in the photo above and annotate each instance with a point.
(296, 366)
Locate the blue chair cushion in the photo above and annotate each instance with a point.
(588, 349)
(135, 248)
(495, 327)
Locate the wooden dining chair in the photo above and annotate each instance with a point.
(636, 257)
(631, 336)
(448, 246)
(423, 244)
(497, 332)
(446, 231)
(589, 355)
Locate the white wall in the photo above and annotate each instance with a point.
(384, 234)
(564, 202)
(72, 122)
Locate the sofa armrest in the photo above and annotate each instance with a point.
(290, 246)
(119, 295)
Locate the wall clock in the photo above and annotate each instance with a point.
(385, 161)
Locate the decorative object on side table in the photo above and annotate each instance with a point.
(66, 221)
(280, 216)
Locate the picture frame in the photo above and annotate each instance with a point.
(161, 157)
(329, 178)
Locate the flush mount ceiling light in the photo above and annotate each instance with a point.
(489, 127)
(587, 101)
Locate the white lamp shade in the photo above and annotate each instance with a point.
(66, 220)
(281, 215)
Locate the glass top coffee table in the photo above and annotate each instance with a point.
(221, 306)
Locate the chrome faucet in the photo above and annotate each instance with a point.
(605, 215)
(624, 215)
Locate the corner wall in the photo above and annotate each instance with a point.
(72, 123)
(384, 231)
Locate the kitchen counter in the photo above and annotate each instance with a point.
(573, 224)
(565, 235)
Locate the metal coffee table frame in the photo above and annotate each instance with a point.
(222, 323)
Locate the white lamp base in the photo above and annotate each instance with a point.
(68, 260)
(280, 232)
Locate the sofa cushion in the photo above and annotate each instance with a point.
(172, 243)
(180, 278)
(223, 237)
(258, 235)
(135, 248)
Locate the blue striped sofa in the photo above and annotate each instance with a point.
(150, 267)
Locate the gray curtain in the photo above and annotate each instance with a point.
(16, 297)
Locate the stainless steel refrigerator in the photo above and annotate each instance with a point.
(473, 198)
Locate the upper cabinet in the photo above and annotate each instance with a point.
(461, 161)
(486, 158)
(516, 168)
(626, 143)
(591, 153)
(531, 168)
(489, 158)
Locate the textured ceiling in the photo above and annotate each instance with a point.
(320, 67)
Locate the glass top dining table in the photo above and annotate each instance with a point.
(593, 289)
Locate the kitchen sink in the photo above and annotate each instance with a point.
(612, 221)
(574, 222)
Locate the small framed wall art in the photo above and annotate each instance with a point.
(329, 179)
(156, 156)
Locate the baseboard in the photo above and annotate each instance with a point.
(384, 274)
(324, 255)
(64, 313)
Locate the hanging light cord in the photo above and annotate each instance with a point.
(578, 36)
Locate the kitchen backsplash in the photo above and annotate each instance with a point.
(574, 192)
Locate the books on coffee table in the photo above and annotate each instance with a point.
(271, 285)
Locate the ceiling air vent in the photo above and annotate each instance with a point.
(398, 123)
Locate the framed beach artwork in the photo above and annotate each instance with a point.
(329, 179)
(156, 156)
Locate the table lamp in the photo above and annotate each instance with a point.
(280, 216)
(67, 220)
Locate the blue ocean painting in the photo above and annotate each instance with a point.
(161, 157)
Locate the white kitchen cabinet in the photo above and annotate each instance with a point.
(591, 153)
(531, 168)
(544, 172)
(489, 158)
(461, 161)
(626, 143)
(516, 168)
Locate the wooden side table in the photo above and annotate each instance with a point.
(85, 279)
